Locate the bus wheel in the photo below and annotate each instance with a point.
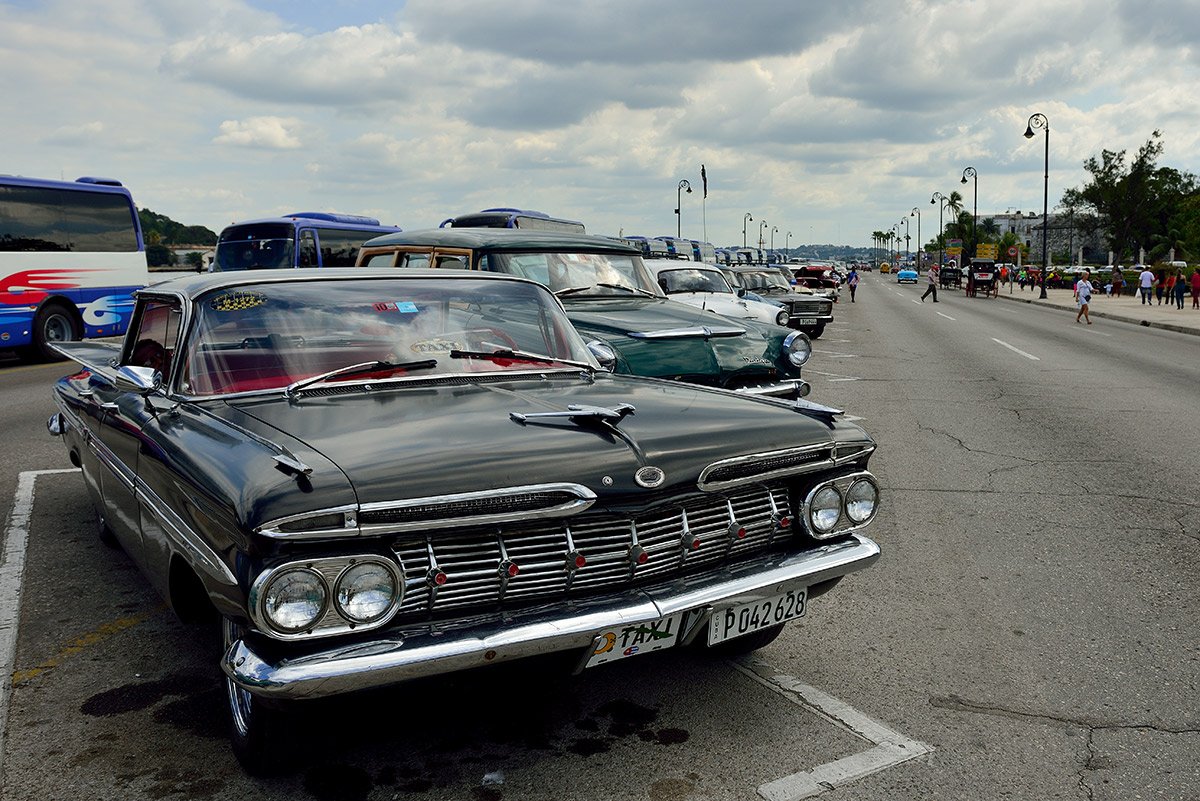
(53, 323)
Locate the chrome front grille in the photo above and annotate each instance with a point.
(810, 308)
(543, 551)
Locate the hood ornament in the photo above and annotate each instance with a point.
(649, 477)
(579, 412)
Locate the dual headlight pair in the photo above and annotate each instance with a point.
(326, 596)
(841, 504)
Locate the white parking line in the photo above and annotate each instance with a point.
(16, 536)
(891, 747)
(948, 317)
(1016, 350)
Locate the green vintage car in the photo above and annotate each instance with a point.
(612, 300)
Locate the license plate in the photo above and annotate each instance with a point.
(807, 321)
(642, 638)
(745, 618)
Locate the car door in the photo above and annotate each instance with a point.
(121, 433)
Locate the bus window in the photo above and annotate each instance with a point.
(308, 250)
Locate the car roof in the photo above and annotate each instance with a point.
(193, 285)
(512, 239)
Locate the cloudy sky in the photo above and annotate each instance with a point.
(827, 120)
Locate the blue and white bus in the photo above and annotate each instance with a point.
(302, 239)
(514, 218)
(71, 256)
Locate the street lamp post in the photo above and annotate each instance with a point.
(896, 247)
(920, 244)
(904, 222)
(1040, 121)
(745, 219)
(939, 198)
(787, 244)
(970, 172)
(761, 225)
(684, 184)
(774, 228)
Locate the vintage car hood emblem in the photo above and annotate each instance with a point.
(649, 477)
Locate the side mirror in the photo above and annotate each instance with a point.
(139, 380)
(741, 291)
(604, 354)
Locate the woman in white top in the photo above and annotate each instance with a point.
(1083, 295)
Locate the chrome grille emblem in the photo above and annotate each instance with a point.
(649, 477)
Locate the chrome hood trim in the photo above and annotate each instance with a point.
(759, 467)
(694, 332)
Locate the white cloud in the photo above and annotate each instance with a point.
(270, 133)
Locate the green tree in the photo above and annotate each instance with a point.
(1131, 204)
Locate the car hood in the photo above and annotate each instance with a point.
(728, 305)
(623, 324)
(427, 441)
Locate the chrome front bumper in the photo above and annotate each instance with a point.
(400, 657)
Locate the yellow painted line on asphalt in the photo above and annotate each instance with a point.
(79, 645)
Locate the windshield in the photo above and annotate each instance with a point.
(621, 274)
(271, 335)
(765, 281)
(692, 280)
(255, 247)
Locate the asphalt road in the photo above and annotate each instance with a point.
(1030, 632)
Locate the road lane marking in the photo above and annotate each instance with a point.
(12, 566)
(890, 747)
(1016, 350)
(948, 317)
(79, 644)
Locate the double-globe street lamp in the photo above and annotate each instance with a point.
(970, 172)
(1040, 121)
(939, 198)
(684, 184)
(745, 219)
(920, 244)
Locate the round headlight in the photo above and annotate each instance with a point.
(825, 509)
(798, 348)
(782, 318)
(295, 600)
(861, 500)
(365, 592)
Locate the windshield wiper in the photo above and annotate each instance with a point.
(518, 355)
(362, 367)
(577, 289)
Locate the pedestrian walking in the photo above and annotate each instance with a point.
(852, 282)
(1021, 279)
(1083, 296)
(1118, 281)
(1196, 288)
(1159, 280)
(1166, 286)
(932, 278)
(1146, 284)
(1180, 288)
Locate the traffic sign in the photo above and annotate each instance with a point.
(1012, 250)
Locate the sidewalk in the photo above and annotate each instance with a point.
(1126, 309)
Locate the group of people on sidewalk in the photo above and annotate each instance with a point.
(1172, 285)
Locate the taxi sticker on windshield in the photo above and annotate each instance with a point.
(427, 346)
(404, 307)
(237, 301)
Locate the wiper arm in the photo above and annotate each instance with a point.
(518, 355)
(350, 369)
(574, 290)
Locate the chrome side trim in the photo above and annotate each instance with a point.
(707, 485)
(584, 498)
(695, 332)
(398, 656)
(185, 540)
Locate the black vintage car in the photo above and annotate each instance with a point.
(377, 475)
(807, 311)
(613, 300)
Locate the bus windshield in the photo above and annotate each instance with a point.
(266, 246)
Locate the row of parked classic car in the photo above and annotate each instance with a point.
(479, 445)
